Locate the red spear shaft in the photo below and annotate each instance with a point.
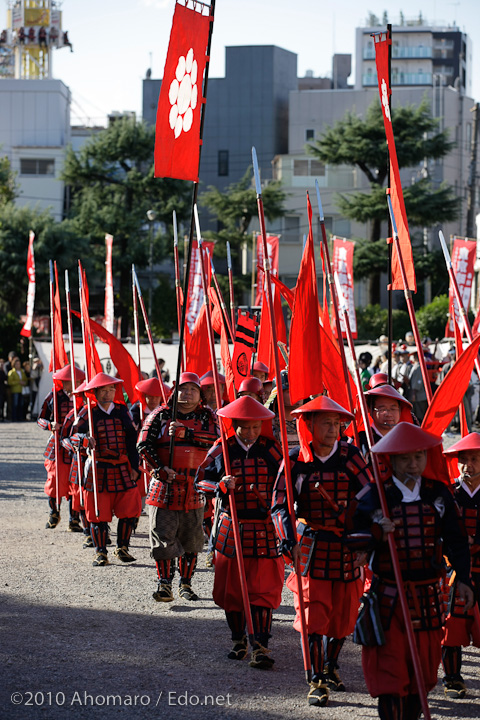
(281, 413)
(226, 458)
(409, 301)
(383, 504)
(137, 346)
(149, 333)
(230, 284)
(333, 295)
(74, 385)
(54, 389)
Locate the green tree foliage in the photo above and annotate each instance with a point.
(112, 187)
(234, 209)
(372, 321)
(9, 335)
(8, 186)
(432, 318)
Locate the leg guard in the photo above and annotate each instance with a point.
(99, 532)
(452, 660)
(391, 707)
(165, 571)
(315, 642)
(332, 647)
(186, 566)
(413, 707)
(236, 623)
(52, 504)
(262, 623)
(124, 531)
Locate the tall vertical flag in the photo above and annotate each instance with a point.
(109, 310)
(58, 356)
(272, 248)
(26, 331)
(305, 356)
(195, 289)
(244, 345)
(342, 264)
(463, 261)
(177, 136)
(382, 42)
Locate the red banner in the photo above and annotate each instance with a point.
(244, 346)
(177, 135)
(342, 264)
(463, 261)
(109, 318)
(272, 248)
(26, 331)
(195, 290)
(382, 43)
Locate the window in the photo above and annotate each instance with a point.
(300, 168)
(291, 228)
(37, 166)
(222, 163)
(309, 134)
(317, 169)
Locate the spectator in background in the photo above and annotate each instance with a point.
(26, 393)
(35, 375)
(17, 380)
(417, 394)
(364, 361)
(3, 388)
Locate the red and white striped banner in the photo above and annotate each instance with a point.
(26, 331)
(195, 290)
(109, 307)
(342, 264)
(463, 261)
(272, 247)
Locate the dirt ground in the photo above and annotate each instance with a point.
(83, 642)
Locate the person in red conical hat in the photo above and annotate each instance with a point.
(290, 421)
(151, 399)
(327, 473)
(254, 460)
(460, 629)
(208, 388)
(260, 371)
(252, 387)
(63, 384)
(175, 508)
(114, 439)
(422, 516)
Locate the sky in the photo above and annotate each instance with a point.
(116, 41)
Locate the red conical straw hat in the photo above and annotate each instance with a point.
(324, 404)
(246, 408)
(150, 386)
(66, 373)
(100, 380)
(469, 442)
(261, 367)
(251, 384)
(388, 391)
(405, 438)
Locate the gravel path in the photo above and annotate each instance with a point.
(87, 642)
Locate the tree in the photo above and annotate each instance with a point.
(113, 186)
(234, 209)
(361, 142)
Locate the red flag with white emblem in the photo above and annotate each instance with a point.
(177, 136)
(26, 331)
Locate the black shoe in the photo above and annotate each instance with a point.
(100, 560)
(239, 650)
(332, 679)
(122, 554)
(187, 593)
(318, 694)
(164, 593)
(88, 542)
(53, 520)
(74, 526)
(454, 687)
(260, 659)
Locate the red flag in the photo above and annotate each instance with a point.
(463, 261)
(195, 287)
(305, 366)
(198, 354)
(287, 294)
(382, 43)
(177, 136)
(450, 392)
(26, 331)
(92, 361)
(218, 324)
(461, 407)
(476, 323)
(109, 311)
(342, 264)
(244, 346)
(58, 357)
(265, 352)
(273, 242)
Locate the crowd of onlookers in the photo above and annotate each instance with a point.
(18, 388)
(407, 375)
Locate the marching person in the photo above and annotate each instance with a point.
(254, 459)
(63, 384)
(253, 387)
(425, 524)
(175, 507)
(461, 629)
(208, 389)
(327, 473)
(114, 440)
(386, 407)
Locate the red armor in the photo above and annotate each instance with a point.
(45, 419)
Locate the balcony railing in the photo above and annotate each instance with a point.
(370, 79)
(420, 51)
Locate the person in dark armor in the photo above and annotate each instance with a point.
(175, 507)
(254, 458)
(426, 525)
(327, 473)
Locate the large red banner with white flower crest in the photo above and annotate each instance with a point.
(342, 264)
(26, 331)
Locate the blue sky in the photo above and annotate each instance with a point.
(115, 41)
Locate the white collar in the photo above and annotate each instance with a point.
(324, 458)
(245, 447)
(465, 487)
(407, 494)
(108, 410)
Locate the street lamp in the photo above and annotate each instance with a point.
(151, 215)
